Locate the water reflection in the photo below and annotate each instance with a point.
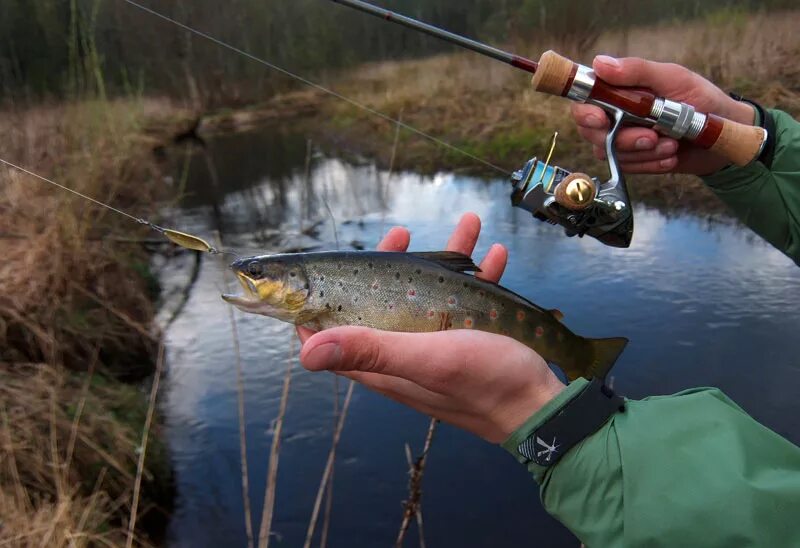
(702, 304)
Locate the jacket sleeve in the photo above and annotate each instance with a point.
(691, 469)
(768, 200)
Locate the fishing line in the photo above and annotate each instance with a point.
(84, 196)
(320, 87)
(187, 241)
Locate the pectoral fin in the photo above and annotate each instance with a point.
(309, 315)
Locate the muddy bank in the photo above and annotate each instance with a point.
(77, 303)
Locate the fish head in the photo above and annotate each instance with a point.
(273, 285)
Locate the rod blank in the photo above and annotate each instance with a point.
(478, 47)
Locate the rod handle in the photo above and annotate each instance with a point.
(738, 143)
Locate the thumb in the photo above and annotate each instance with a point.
(635, 71)
(428, 359)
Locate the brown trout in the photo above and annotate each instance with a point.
(411, 292)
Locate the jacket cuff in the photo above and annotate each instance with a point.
(537, 419)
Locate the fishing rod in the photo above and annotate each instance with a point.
(578, 202)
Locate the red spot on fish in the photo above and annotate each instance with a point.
(412, 293)
(431, 314)
(375, 285)
(493, 314)
(390, 306)
(468, 323)
(520, 315)
(539, 331)
(451, 300)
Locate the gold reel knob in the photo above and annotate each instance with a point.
(576, 192)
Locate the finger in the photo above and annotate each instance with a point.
(304, 334)
(589, 116)
(665, 148)
(494, 264)
(635, 71)
(395, 386)
(629, 139)
(465, 236)
(656, 166)
(397, 239)
(399, 397)
(436, 361)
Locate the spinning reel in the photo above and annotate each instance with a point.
(576, 201)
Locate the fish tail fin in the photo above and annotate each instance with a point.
(604, 354)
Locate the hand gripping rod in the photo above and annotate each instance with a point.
(557, 75)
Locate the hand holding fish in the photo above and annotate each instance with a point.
(485, 383)
(643, 150)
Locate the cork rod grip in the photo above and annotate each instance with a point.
(554, 74)
(739, 143)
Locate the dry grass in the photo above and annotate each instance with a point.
(490, 110)
(68, 460)
(71, 299)
(58, 266)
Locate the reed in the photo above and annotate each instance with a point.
(274, 454)
(69, 457)
(328, 470)
(142, 449)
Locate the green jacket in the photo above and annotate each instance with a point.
(691, 469)
(768, 200)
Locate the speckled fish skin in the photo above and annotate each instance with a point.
(410, 292)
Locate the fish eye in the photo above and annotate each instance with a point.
(255, 269)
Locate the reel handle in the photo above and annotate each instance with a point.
(739, 143)
(576, 191)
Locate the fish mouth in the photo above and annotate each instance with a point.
(249, 295)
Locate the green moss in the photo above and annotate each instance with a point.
(152, 285)
(343, 120)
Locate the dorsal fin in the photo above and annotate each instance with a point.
(451, 260)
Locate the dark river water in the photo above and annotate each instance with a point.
(702, 303)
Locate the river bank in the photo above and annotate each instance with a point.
(77, 302)
(490, 111)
